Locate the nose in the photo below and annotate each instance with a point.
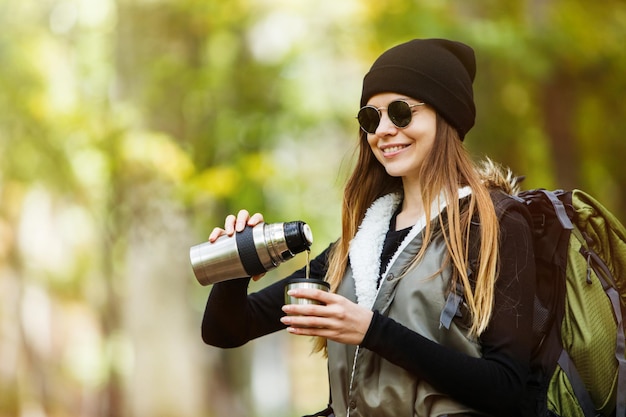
(386, 126)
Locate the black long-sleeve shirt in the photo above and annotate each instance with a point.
(494, 383)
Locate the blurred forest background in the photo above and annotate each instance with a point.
(129, 128)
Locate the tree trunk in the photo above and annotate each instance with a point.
(559, 109)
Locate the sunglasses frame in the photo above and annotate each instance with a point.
(391, 116)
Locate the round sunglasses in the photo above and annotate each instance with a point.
(400, 113)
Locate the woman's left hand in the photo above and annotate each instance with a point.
(337, 319)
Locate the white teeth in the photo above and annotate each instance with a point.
(393, 149)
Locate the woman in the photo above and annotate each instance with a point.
(419, 235)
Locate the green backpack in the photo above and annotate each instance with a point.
(580, 256)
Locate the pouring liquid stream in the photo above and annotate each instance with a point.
(308, 264)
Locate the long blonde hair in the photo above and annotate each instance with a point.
(447, 167)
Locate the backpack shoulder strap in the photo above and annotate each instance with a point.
(578, 386)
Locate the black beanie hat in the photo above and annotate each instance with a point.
(439, 72)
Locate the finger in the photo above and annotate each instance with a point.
(242, 220)
(229, 224)
(306, 322)
(305, 310)
(217, 232)
(323, 297)
(313, 332)
(255, 219)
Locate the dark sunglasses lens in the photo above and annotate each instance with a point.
(399, 113)
(369, 118)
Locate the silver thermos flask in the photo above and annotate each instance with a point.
(253, 251)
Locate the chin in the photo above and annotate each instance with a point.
(402, 172)
(396, 173)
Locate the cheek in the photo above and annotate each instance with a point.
(374, 149)
(424, 126)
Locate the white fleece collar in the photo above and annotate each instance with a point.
(367, 245)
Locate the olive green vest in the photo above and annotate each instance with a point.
(363, 383)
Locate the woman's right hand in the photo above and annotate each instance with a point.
(237, 223)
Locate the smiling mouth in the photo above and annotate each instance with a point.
(393, 149)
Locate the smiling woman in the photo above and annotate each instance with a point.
(397, 337)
